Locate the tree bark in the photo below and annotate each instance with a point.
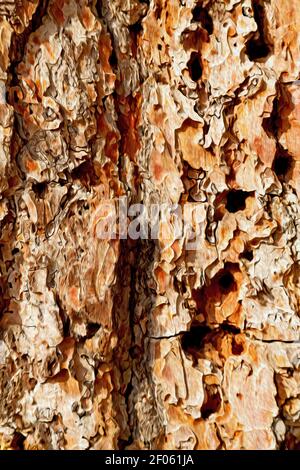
(123, 343)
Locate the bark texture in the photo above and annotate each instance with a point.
(113, 344)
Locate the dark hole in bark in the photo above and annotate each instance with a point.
(212, 401)
(247, 254)
(282, 165)
(272, 123)
(122, 443)
(179, 286)
(230, 328)
(99, 8)
(201, 15)
(62, 181)
(290, 443)
(193, 339)
(257, 47)
(18, 441)
(236, 200)
(86, 173)
(64, 318)
(113, 59)
(92, 329)
(39, 189)
(158, 11)
(136, 28)
(226, 281)
(135, 352)
(237, 348)
(194, 66)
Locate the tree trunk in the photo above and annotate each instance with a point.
(144, 342)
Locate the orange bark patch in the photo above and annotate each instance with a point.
(105, 50)
(57, 13)
(49, 49)
(171, 17)
(74, 297)
(30, 165)
(158, 170)
(87, 18)
(88, 173)
(36, 40)
(129, 117)
(111, 147)
(161, 166)
(161, 278)
(60, 377)
(265, 148)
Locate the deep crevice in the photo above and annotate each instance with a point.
(228, 328)
(39, 189)
(18, 441)
(202, 16)
(226, 281)
(236, 200)
(194, 66)
(91, 329)
(65, 320)
(272, 123)
(258, 48)
(283, 162)
(98, 7)
(136, 28)
(247, 254)
(193, 339)
(88, 173)
(113, 60)
(212, 401)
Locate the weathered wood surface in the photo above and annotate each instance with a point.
(112, 344)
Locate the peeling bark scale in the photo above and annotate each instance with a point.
(124, 343)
